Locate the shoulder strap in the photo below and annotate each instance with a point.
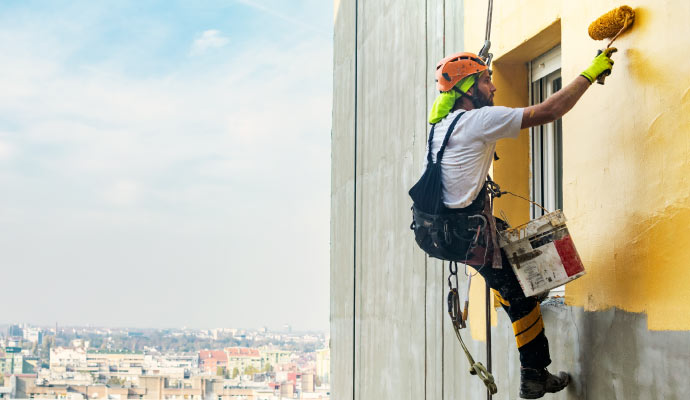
(431, 137)
(439, 155)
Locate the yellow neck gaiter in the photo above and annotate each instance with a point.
(446, 100)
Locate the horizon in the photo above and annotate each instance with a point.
(50, 328)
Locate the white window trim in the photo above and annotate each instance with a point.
(542, 67)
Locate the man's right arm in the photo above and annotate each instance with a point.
(562, 101)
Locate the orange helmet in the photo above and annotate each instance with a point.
(452, 69)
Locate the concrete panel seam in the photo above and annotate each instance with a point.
(354, 222)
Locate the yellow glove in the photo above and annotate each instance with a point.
(601, 65)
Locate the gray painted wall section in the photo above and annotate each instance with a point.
(435, 284)
(610, 355)
(391, 289)
(342, 202)
(390, 334)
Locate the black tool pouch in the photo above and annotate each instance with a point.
(453, 235)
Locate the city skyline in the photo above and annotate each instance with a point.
(163, 364)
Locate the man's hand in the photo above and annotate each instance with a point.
(601, 64)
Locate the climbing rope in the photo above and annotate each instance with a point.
(484, 52)
(457, 317)
(489, 13)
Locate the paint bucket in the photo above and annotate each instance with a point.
(542, 253)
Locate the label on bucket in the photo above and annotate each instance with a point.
(542, 254)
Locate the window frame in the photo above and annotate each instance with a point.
(546, 168)
(546, 141)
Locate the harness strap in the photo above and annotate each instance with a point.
(496, 261)
(439, 155)
(431, 137)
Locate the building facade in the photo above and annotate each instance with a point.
(243, 357)
(616, 164)
(210, 361)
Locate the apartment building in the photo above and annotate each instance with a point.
(67, 359)
(274, 356)
(211, 360)
(243, 357)
(12, 361)
(323, 364)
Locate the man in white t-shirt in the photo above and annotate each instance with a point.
(465, 84)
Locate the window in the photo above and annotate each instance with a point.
(546, 141)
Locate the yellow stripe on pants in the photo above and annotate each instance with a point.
(528, 327)
(500, 299)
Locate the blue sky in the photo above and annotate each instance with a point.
(165, 163)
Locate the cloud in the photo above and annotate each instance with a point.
(209, 39)
(6, 150)
(122, 193)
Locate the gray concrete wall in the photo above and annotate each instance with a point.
(390, 334)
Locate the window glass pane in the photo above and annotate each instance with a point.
(546, 151)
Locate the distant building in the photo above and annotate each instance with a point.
(171, 365)
(274, 356)
(150, 388)
(323, 364)
(307, 383)
(287, 389)
(15, 331)
(72, 362)
(12, 361)
(67, 359)
(121, 364)
(210, 360)
(34, 335)
(243, 357)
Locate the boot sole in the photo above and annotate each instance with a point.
(532, 396)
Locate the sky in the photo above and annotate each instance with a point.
(165, 163)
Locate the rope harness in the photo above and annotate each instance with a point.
(458, 319)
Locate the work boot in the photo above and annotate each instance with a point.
(534, 383)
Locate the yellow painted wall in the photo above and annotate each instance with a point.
(626, 147)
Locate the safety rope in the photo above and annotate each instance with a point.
(487, 35)
(484, 52)
(458, 317)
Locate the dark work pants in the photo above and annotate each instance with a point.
(524, 313)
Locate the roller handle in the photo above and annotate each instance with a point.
(603, 75)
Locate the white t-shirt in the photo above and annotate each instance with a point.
(470, 150)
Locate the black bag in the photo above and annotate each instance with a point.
(446, 234)
(427, 193)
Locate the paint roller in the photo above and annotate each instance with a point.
(611, 25)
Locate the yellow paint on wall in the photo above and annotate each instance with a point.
(511, 171)
(626, 149)
(477, 309)
(513, 23)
